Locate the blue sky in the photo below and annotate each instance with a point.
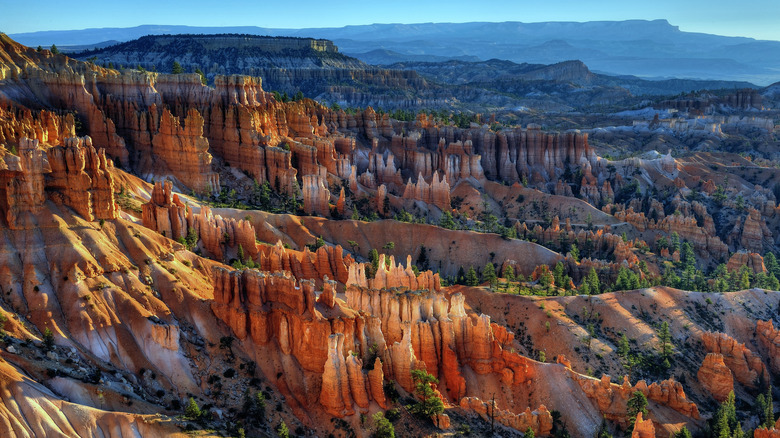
(752, 18)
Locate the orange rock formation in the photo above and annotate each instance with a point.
(716, 377)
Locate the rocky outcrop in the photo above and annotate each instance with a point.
(391, 275)
(45, 126)
(540, 420)
(768, 433)
(748, 369)
(164, 212)
(751, 232)
(316, 195)
(181, 145)
(770, 340)
(643, 428)
(22, 184)
(328, 262)
(611, 398)
(703, 241)
(606, 244)
(716, 377)
(221, 237)
(752, 260)
(436, 193)
(80, 179)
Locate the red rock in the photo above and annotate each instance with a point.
(164, 212)
(747, 367)
(436, 193)
(316, 195)
(540, 420)
(643, 428)
(184, 150)
(22, 185)
(335, 395)
(770, 340)
(218, 234)
(716, 377)
(80, 179)
(768, 433)
(751, 232)
(611, 398)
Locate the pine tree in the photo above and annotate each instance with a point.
(471, 277)
(489, 274)
(203, 79)
(508, 273)
(636, 404)
(683, 433)
(667, 348)
(772, 266)
(54, 49)
(593, 282)
(447, 221)
(191, 409)
(283, 431)
(429, 404)
(558, 274)
(575, 252)
(176, 68)
(383, 428)
(623, 347)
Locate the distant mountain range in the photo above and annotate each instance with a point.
(648, 49)
(317, 68)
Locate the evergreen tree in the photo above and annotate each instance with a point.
(429, 403)
(769, 410)
(603, 430)
(529, 433)
(558, 274)
(383, 428)
(575, 252)
(772, 266)
(471, 277)
(593, 282)
(636, 404)
(683, 433)
(54, 49)
(176, 68)
(447, 221)
(191, 409)
(422, 259)
(725, 419)
(744, 278)
(667, 348)
(373, 256)
(203, 79)
(687, 257)
(508, 273)
(461, 277)
(623, 346)
(489, 274)
(283, 431)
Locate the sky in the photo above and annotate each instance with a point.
(758, 19)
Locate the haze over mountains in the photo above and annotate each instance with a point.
(650, 49)
(318, 70)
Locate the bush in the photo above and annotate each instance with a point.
(383, 428)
